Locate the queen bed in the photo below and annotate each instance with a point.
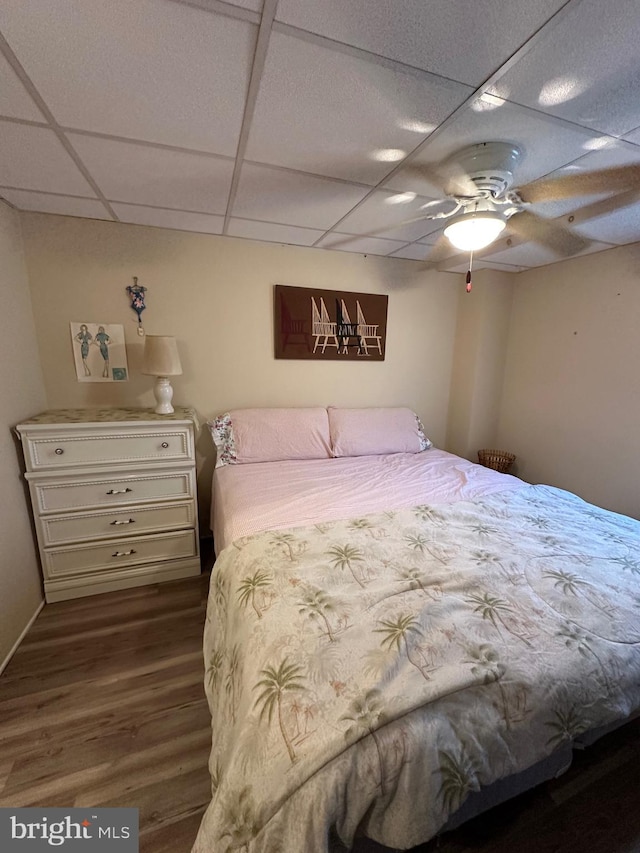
(397, 638)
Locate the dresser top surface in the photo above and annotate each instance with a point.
(107, 415)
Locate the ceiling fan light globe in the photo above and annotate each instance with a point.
(473, 231)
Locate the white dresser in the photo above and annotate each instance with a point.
(114, 497)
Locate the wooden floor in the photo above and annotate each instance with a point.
(103, 705)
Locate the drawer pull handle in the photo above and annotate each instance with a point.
(58, 451)
(123, 553)
(165, 444)
(119, 491)
(131, 521)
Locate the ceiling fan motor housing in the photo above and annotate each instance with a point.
(490, 165)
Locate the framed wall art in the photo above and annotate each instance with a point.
(99, 352)
(328, 325)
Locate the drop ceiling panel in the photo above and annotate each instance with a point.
(162, 72)
(361, 245)
(143, 174)
(461, 40)
(545, 143)
(33, 158)
(585, 69)
(176, 219)
(152, 94)
(412, 252)
(307, 118)
(619, 227)
(384, 209)
(254, 5)
(45, 203)
(634, 136)
(292, 198)
(273, 233)
(15, 101)
(533, 255)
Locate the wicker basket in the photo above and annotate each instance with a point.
(499, 460)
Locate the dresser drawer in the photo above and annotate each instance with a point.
(91, 492)
(63, 449)
(134, 521)
(118, 554)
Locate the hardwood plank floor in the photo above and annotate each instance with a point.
(103, 705)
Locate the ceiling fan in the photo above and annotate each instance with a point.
(481, 200)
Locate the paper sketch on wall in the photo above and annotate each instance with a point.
(99, 352)
(329, 324)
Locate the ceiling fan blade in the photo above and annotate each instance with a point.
(440, 251)
(547, 232)
(582, 183)
(423, 172)
(391, 227)
(449, 177)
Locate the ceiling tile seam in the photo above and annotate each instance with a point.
(290, 171)
(417, 242)
(163, 146)
(200, 153)
(164, 207)
(532, 40)
(575, 162)
(365, 237)
(188, 210)
(515, 57)
(271, 222)
(569, 124)
(48, 192)
(366, 55)
(552, 119)
(219, 7)
(7, 202)
(27, 121)
(257, 68)
(26, 81)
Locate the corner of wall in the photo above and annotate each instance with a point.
(480, 347)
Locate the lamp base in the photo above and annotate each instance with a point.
(163, 393)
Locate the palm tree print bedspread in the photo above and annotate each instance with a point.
(370, 673)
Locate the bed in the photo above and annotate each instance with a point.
(399, 639)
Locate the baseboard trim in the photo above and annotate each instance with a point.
(14, 648)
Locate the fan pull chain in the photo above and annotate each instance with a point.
(469, 273)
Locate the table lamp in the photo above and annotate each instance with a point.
(161, 360)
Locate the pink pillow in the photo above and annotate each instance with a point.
(271, 435)
(370, 432)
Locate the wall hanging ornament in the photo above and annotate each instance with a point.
(137, 293)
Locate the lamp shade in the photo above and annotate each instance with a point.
(472, 231)
(161, 356)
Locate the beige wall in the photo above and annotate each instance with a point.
(567, 404)
(479, 356)
(22, 395)
(571, 401)
(215, 294)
